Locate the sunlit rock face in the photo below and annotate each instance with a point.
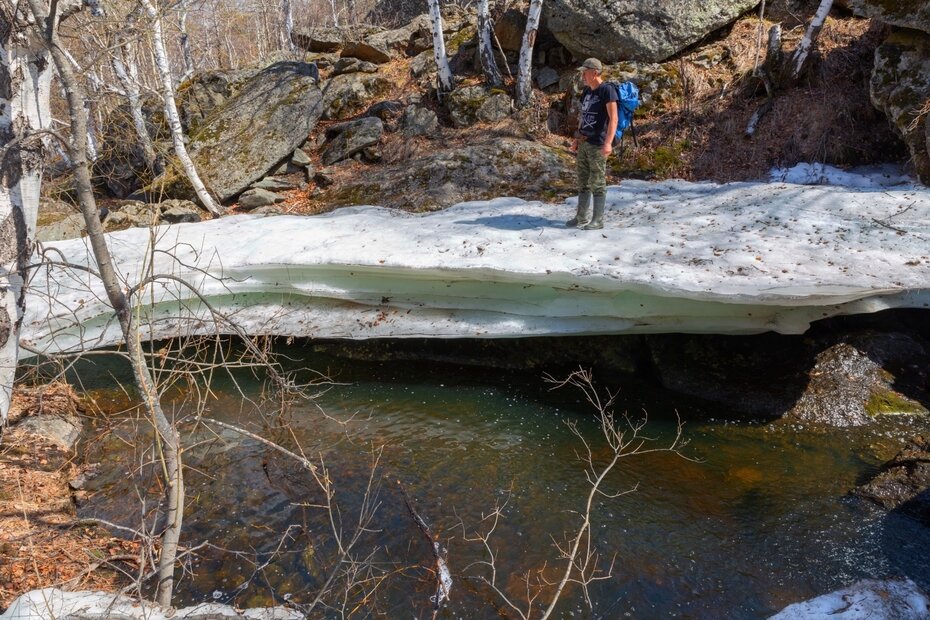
(631, 30)
(673, 257)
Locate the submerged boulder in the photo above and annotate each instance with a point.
(869, 598)
(903, 482)
(632, 30)
(900, 87)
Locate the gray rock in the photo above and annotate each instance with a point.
(261, 125)
(132, 215)
(319, 39)
(273, 184)
(350, 138)
(422, 64)
(300, 158)
(68, 227)
(903, 13)
(402, 39)
(255, 198)
(179, 212)
(200, 95)
(323, 178)
(470, 104)
(353, 65)
(496, 167)
(386, 110)
(615, 30)
(62, 430)
(270, 210)
(900, 87)
(418, 121)
(495, 108)
(509, 29)
(347, 95)
(546, 77)
(364, 50)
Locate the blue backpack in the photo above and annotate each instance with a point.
(628, 101)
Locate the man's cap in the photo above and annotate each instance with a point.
(592, 63)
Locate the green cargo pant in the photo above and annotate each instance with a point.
(592, 164)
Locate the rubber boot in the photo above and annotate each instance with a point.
(597, 222)
(583, 215)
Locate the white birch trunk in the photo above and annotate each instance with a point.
(171, 112)
(124, 65)
(525, 70)
(332, 3)
(185, 42)
(802, 53)
(486, 48)
(439, 49)
(287, 14)
(25, 70)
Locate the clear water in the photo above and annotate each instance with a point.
(753, 519)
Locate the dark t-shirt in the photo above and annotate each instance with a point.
(593, 121)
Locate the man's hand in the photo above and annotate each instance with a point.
(574, 147)
(607, 149)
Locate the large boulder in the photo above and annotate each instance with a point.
(615, 30)
(496, 167)
(204, 92)
(848, 386)
(350, 138)
(254, 130)
(900, 87)
(904, 13)
(470, 104)
(348, 94)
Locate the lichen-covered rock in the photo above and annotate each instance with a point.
(497, 167)
(319, 39)
(257, 197)
(351, 138)
(252, 132)
(418, 121)
(346, 95)
(204, 92)
(404, 39)
(904, 13)
(367, 51)
(470, 104)
(900, 87)
(904, 481)
(353, 65)
(847, 387)
(615, 30)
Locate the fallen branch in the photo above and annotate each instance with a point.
(443, 576)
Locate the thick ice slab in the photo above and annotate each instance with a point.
(673, 257)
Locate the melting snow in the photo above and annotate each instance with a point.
(672, 257)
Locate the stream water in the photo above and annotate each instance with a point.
(746, 519)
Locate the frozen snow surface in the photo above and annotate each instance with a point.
(879, 176)
(54, 604)
(672, 257)
(869, 599)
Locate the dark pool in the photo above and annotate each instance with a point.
(747, 519)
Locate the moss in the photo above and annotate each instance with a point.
(889, 402)
(355, 195)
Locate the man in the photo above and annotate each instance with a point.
(597, 125)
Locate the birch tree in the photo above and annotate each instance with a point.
(287, 35)
(163, 67)
(485, 47)
(525, 71)
(185, 42)
(125, 68)
(439, 49)
(801, 54)
(168, 435)
(25, 72)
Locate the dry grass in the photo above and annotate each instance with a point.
(35, 500)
